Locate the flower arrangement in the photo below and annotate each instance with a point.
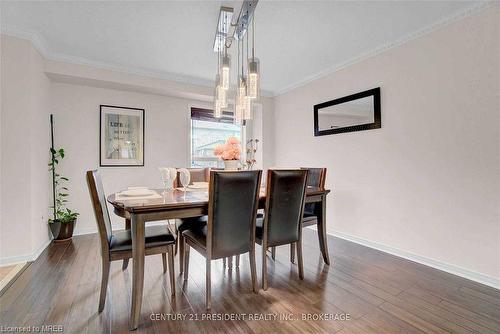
(231, 150)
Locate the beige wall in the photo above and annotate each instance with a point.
(76, 109)
(24, 151)
(427, 184)
(33, 87)
(167, 138)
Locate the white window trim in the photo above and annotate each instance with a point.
(190, 131)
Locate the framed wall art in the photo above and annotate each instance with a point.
(121, 139)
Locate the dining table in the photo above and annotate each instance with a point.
(184, 203)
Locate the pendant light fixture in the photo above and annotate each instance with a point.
(247, 87)
(221, 92)
(217, 107)
(247, 100)
(225, 64)
(240, 93)
(253, 88)
(225, 70)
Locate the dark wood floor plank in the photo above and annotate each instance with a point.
(444, 314)
(478, 295)
(412, 319)
(491, 323)
(382, 294)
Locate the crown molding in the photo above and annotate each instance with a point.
(40, 44)
(479, 7)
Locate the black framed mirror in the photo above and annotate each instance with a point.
(356, 112)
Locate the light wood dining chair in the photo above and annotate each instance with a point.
(282, 221)
(118, 245)
(230, 228)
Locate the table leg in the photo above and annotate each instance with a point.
(323, 244)
(127, 227)
(138, 270)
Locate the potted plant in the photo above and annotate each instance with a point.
(63, 221)
(230, 153)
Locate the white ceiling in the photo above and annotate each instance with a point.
(296, 40)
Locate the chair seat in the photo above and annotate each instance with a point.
(187, 223)
(309, 217)
(198, 234)
(158, 235)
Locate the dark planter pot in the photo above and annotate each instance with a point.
(62, 231)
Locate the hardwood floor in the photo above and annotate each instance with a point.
(381, 293)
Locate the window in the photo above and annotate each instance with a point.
(208, 132)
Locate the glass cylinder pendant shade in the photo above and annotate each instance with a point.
(247, 102)
(238, 111)
(253, 82)
(221, 93)
(224, 71)
(217, 109)
(239, 106)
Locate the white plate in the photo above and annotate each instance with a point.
(198, 185)
(135, 188)
(137, 192)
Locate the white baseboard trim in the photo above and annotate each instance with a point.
(9, 261)
(14, 260)
(40, 250)
(449, 268)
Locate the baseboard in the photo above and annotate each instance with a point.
(12, 260)
(8, 261)
(40, 250)
(449, 268)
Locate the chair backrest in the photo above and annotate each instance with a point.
(196, 175)
(98, 198)
(233, 203)
(285, 196)
(316, 177)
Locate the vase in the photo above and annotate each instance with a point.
(231, 164)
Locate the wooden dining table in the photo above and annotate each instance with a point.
(178, 203)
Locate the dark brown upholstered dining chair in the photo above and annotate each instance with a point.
(230, 230)
(316, 177)
(282, 221)
(118, 245)
(196, 175)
